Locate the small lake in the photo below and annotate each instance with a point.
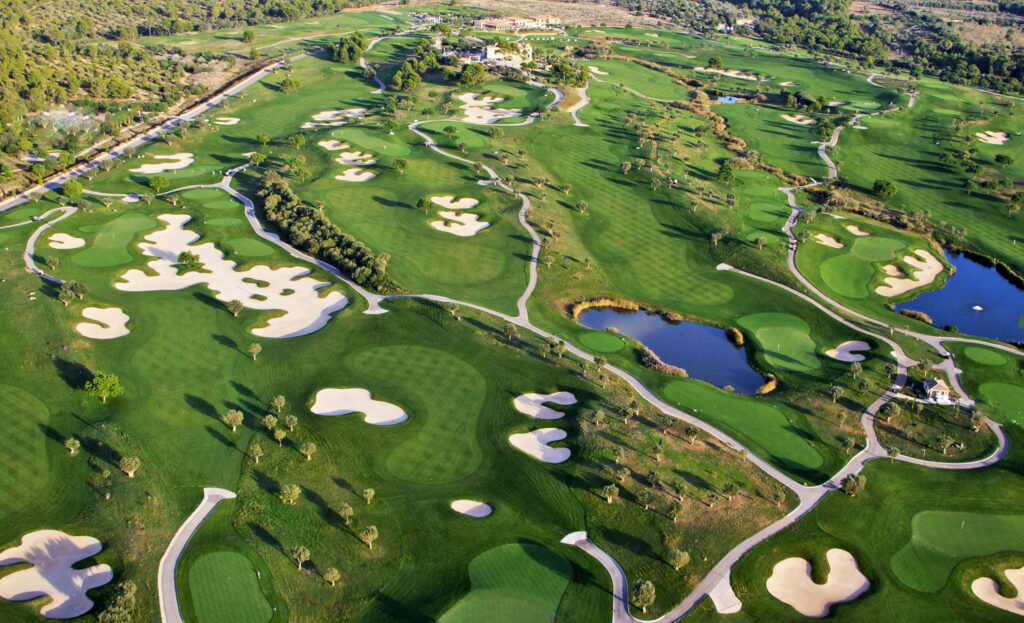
(974, 285)
(703, 351)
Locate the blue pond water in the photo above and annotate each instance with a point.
(703, 351)
(1002, 304)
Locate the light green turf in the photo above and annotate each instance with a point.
(247, 247)
(223, 222)
(110, 247)
(602, 341)
(225, 590)
(941, 539)
(22, 446)
(984, 356)
(784, 339)
(876, 248)
(514, 583)
(846, 275)
(1006, 401)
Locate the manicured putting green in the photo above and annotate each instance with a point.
(248, 247)
(225, 590)
(876, 248)
(21, 445)
(984, 356)
(784, 339)
(514, 583)
(941, 539)
(846, 275)
(1006, 401)
(110, 247)
(602, 341)
(201, 194)
(375, 142)
(226, 221)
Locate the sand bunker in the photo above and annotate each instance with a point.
(992, 138)
(801, 119)
(535, 443)
(464, 225)
(332, 401)
(333, 145)
(791, 583)
(471, 508)
(449, 202)
(927, 269)
(987, 590)
(478, 108)
(52, 552)
(857, 231)
(533, 404)
(788, 83)
(113, 323)
(281, 289)
(828, 241)
(355, 175)
(845, 351)
(834, 104)
(594, 69)
(732, 73)
(333, 118)
(226, 120)
(66, 241)
(892, 270)
(355, 159)
(174, 161)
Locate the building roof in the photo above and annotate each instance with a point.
(935, 385)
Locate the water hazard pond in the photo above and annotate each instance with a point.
(1001, 313)
(703, 351)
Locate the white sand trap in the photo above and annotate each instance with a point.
(333, 401)
(857, 231)
(174, 161)
(226, 120)
(828, 241)
(732, 73)
(52, 552)
(834, 104)
(113, 323)
(355, 159)
(464, 225)
(927, 269)
(594, 69)
(788, 83)
(893, 271)
(992, 138)
(333, 117)
(845, 351)
(987, 590)
(801, 119)
(479, 109)
(333, 145)
(535, 443)
(471, 508)
(66, 241)
(533, 404)
(130, 199)
(304, 310)
(791, 583)
(355, 175)
(448, 202)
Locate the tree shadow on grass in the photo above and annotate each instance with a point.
(216, 434)
(265, 482)
(208, 300)
(318, 500)
(74, 374)
(202, 406)
(225, 341)
(261, 533)
(344, 484)
(627, 541)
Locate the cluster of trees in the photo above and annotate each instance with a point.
(306, 228)
(349, 48)
(410, 74)
(563, 72)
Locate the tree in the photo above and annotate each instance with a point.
(279, 435)
(473, 75)
(566, 188)
(233, 418)
(884, 189)
(715, 62)
(188, 258)
(581, 206)
(609, 492)
(678, 559)
(369, 535)
(970, 186)
(104, 386)
(725, 173)
(760, 241)
(263, 138)
(269, 422)
(644, 498)
(835, 392)
(346, 512)
(945, 441)
(423, 204)
(853, 484)
(248, 36)
(400, 165)
(256, 158)
(1003, 160)
(254, 349)
(332, 575)
(368, 495)
(450, 131)
(256, 452)
(235, 307)
(978, 419)
(511, 331)
(300, 554)
(129, 465)
(289, 85)
(643, 595)
(297, 140)
(290, 494)
(158, 183)
(675, 510)
(72, 445)
(856, 368)
(730, 489)
(308, 449)
(72, 190)
(890, 410)
(277, 403)
(291, 422)
(717, 235)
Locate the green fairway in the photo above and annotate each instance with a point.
(876, 248)
(110, 245)
(225, 590)
(247, 247)
(602, 341)
(941, 539)
(783, 143)
(514, 583)
(1006, 401)
(847, 275)
(23, 445)
(984, 356)
(785, 340)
